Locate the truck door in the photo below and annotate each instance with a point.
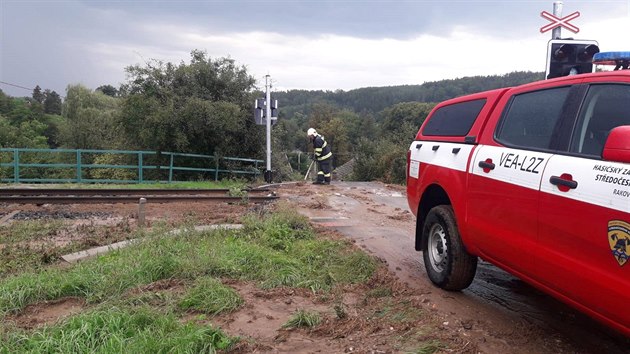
(585, 212)
(505, 176)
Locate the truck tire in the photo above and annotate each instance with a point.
(448, 264)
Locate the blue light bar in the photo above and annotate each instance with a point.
(610, 58)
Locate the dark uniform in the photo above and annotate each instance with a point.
(323, 154)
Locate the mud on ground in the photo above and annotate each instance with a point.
(383, 316)
(398, 311)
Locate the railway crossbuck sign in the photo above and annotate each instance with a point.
(557, 22)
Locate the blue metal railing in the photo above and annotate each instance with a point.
(27, 165)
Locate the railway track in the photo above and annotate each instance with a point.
(95, 196)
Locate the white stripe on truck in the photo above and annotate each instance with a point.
(447, 155)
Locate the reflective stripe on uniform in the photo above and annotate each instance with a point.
(320, 158)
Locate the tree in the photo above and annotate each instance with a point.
(54, 124)
(334, 124)
(321, 114)
(203, 107)
(52, 102)
(5, 103)
(108, 90)
(366, 128)
(403, 120)
(8, 133)
(27, 134)
(38, 96)
(20, 110)
(90, 119)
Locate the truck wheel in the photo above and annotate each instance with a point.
(446, 260)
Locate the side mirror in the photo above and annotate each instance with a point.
(617, 147)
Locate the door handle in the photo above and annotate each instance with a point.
(564, 182)
(435, 147)
(487, 165)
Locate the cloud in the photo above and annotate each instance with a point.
(306, 45)
(343, 62)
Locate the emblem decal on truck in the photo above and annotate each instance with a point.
(619, 240)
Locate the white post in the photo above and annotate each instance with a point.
(141, 212)
(268, 122)
(557, 11)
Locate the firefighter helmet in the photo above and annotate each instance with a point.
(311, 132)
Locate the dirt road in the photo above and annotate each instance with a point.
(498, 312)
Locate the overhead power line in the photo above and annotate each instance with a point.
(18, 86)
(24, 88)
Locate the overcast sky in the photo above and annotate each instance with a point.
(302, 44)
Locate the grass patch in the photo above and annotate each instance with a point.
(117, 330)
(210, 296)
(32, 244)
(429, 348)
(29, 230)
(27, 245)
(272, 249)
(379, 292)
(158, 298)
(95, 280)
(237, 191)
(18, 258)
(303, 319)
(251, 253)
(398, 312)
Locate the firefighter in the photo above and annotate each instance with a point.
(323, 156)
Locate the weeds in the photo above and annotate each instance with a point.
(20, 257)
(29, 245)
(340, 311)
(303, 319)
(29, 230)
(379, 292)
(430, 347)
(237, 191)
(210, 296)
(118, 330)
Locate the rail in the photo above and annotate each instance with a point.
(112, 196)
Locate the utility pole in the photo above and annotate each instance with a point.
(557, 11)
(268, 174)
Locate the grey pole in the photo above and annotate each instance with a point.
(268, 115)
(557, 11)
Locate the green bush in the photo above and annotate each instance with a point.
(383, 160)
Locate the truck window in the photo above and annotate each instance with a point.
(455, 119)
(531, 117)
(606, 106)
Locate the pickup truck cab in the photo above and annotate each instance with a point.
(534, 179)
